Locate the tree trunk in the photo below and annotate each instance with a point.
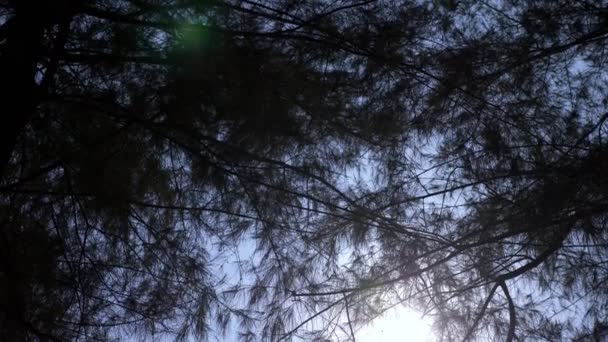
(20, 53)
(18, 62)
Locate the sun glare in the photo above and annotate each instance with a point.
(397, 325)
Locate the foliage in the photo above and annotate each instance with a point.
(339, 158)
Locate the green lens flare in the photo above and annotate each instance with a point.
(192, 37)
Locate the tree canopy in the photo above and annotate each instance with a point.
(293, 169)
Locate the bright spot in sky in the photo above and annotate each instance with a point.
(397, 325)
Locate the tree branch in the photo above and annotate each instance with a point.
(317, 314)
(350, 324)
(512, 318)
(481, 313)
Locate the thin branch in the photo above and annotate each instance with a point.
(512, 318)
(350, 324)
(481, 313)
(317, 314)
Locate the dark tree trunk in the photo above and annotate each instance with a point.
(20, 54)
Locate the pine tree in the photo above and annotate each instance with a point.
(445, 155)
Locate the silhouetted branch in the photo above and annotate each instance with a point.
(350, 324)
(512, 319)
(481, 313)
